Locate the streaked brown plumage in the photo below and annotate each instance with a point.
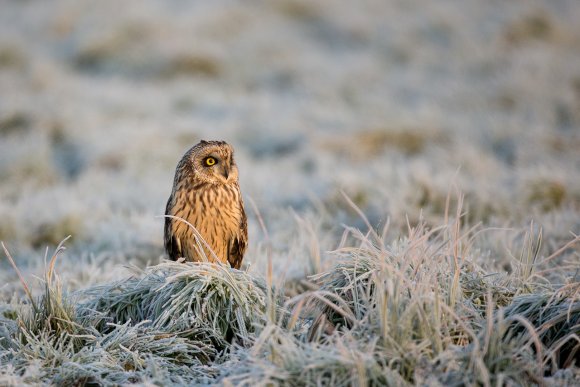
(207, 195)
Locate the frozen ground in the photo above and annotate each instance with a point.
(396, 103)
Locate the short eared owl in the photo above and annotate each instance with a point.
(207, 195)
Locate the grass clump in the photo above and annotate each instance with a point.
(197, 299)
(555, 318)
(168, 325)
(405, 296)
(525, 343)
(430, 313)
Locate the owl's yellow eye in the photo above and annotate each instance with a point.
(210, 161)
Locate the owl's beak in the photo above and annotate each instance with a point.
(225, 171)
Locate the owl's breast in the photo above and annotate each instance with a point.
(215, 211)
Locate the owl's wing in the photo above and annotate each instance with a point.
(238, 244)
(172, 243)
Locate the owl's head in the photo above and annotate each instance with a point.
(209, 162)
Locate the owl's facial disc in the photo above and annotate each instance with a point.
(217, 166)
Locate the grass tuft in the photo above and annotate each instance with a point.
(196, 299)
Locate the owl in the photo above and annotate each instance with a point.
(206, 194)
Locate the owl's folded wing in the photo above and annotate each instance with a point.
(238, 244)
(172, 242)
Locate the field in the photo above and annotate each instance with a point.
(410, 170)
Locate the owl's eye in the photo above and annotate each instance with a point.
(209, 161)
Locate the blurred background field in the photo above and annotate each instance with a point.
(395, 103)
